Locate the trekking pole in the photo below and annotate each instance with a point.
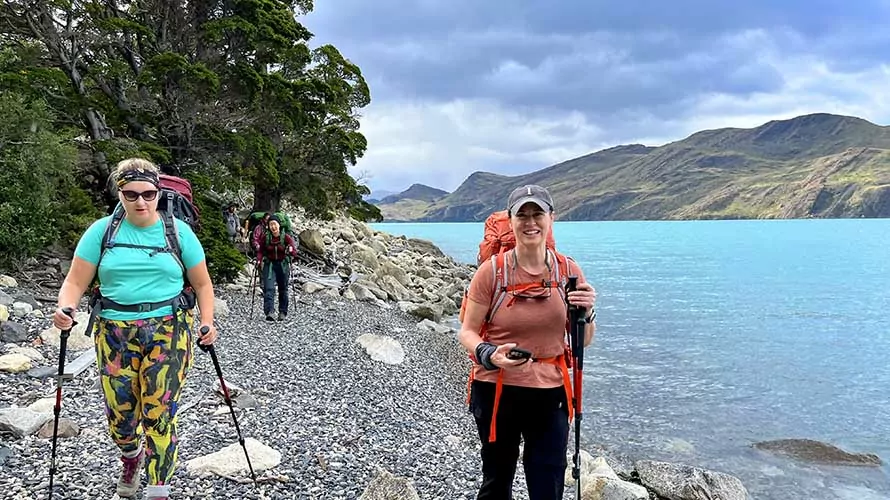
(253, 283)
(576, 336)
(222, 383)
(291, 281)
(63, 347)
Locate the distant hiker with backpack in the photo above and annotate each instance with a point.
(231, 220)
(514, 325)
(152, 271)
(274, 252)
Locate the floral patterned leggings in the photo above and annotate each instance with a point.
(142, 368)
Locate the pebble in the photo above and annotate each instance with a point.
(315, 396)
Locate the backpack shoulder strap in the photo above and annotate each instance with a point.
(171, 234)
(560, 271)
(111, 230)
(500, 282)
(560, 276)
(114, 225)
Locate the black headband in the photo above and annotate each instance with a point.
(137, 175)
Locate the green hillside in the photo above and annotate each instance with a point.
(817, 165)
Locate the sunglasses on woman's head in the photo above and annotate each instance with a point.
(134, 195)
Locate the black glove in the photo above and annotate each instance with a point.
(483, 354)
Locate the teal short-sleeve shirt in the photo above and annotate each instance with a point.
(137, 275)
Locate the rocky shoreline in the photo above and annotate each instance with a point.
(360, 393)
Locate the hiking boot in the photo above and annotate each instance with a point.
(269, 317)
(130, 478)
(282, 316)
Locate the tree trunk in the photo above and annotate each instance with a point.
(99, 132)
(66, 55)
(266, 199)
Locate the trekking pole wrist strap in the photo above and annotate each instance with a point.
(484, 350)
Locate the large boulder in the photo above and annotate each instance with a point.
(312, 240)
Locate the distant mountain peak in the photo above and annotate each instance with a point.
(628, 149)
(417, 191)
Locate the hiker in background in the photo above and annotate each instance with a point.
(143, 329)
(274, 253)
(231, 220)
(513, 398)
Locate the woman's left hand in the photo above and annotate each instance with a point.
(584, 296)
(208, 338)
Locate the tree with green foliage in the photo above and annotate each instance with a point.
(222, 90)
(39, 201)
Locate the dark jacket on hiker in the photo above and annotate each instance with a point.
(231, 220)
(273, 253)
(276, 248)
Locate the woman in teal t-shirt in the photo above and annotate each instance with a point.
(143, 334)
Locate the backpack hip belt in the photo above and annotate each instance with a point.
(558, 361)
(180, 301)
(184, 301)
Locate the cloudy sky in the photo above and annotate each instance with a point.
(513, 86)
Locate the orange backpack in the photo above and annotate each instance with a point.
(499, 237)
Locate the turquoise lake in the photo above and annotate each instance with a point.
(713, 335)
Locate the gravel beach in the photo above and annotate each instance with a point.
(333, 413)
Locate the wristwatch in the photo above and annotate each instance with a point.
(590, 318)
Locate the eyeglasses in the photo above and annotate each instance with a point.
(134, 195)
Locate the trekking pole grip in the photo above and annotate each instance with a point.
(63, 341)
(571, 286)
(204, 331)
(69, 311)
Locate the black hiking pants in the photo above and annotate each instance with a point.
(275, 272)
(538, 417)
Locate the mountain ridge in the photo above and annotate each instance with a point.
(814, 165)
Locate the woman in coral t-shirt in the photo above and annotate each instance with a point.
(529, 398)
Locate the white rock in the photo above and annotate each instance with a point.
(43, 405)
(30, 352)
(427, 324)
(22, 421)
(15, 363)
(77, 341)
(230, 460)
(382, 348)
(22, 308)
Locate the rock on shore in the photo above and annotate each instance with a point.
(348, 398)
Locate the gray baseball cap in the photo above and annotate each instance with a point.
(529, 193)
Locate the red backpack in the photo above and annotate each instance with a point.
(499, 237)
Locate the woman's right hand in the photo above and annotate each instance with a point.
(61, 320)
(500, 359)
